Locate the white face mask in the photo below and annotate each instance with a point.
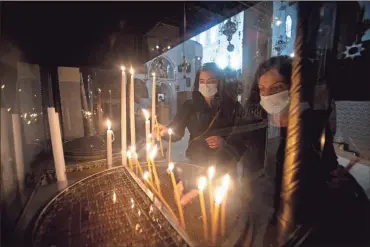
(275, 103)
(208, 90)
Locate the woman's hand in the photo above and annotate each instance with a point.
(160, 131)
(214, 142)
(188, 197)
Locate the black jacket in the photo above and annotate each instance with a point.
(196, 116)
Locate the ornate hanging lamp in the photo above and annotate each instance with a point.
(229, 29)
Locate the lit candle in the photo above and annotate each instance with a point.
(147, 130)
(153, 153)
(211, 174)
(169, 145)
(132, 108)
(225, 187)
(201, 185)
(109, 145)
(171, 166)
(154, 98)
(114, 197)
(129, 157)
(219, 193)
(123, 117)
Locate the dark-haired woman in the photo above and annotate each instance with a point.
(271, 90)
(209, 117)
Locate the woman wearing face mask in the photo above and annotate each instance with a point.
(271, 90)
(209, 117)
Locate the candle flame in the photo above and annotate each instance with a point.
(146, 114)
(202, 182)
(150, 136)
(114, 197)
(129, 155)
(211, 172)
(132, 71)
(171, 166)
(153, 153)
(123, 68)
(170, 131)
(109, 124)
(153, 74)
(148, 146)
(146, 176)
(133, 149)
(2, 86)
(219, 195)
(226, 181)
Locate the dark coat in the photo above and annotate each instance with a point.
(196, 116)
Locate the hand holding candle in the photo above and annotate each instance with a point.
(109, 145)
(202, 182)
(171, 166)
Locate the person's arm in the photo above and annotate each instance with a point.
(179, 123)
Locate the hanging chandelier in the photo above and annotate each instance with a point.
(229, 29)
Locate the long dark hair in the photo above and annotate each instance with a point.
(283, 64)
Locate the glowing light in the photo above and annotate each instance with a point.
(109, 125)
(211, 172)
(202, 38)
(168, 47)
(132, 149)
(148, 146)
(219, 195)
(153, 153)
(202, 182)
(9, 109)
(114, 197)
(171, 166)
(170, 131)
(132, 71)
(235, 62)
(20, 90)
(123, 68)
(153, 74)
(278, 22)
(221, 62)
(129, 155)
(226, 181)
(2, 86)
(214, 34)
(146, 176)
(135, 156)
(157, 47)
(291, 54)
(146, 114)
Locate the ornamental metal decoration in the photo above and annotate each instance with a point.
(280, 45)
(353, 51)
(229, 29)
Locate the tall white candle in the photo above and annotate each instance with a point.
(109, 145)
(57, 145)
(132, 108)
(18, 151)
(154, 100)
(123, 117)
